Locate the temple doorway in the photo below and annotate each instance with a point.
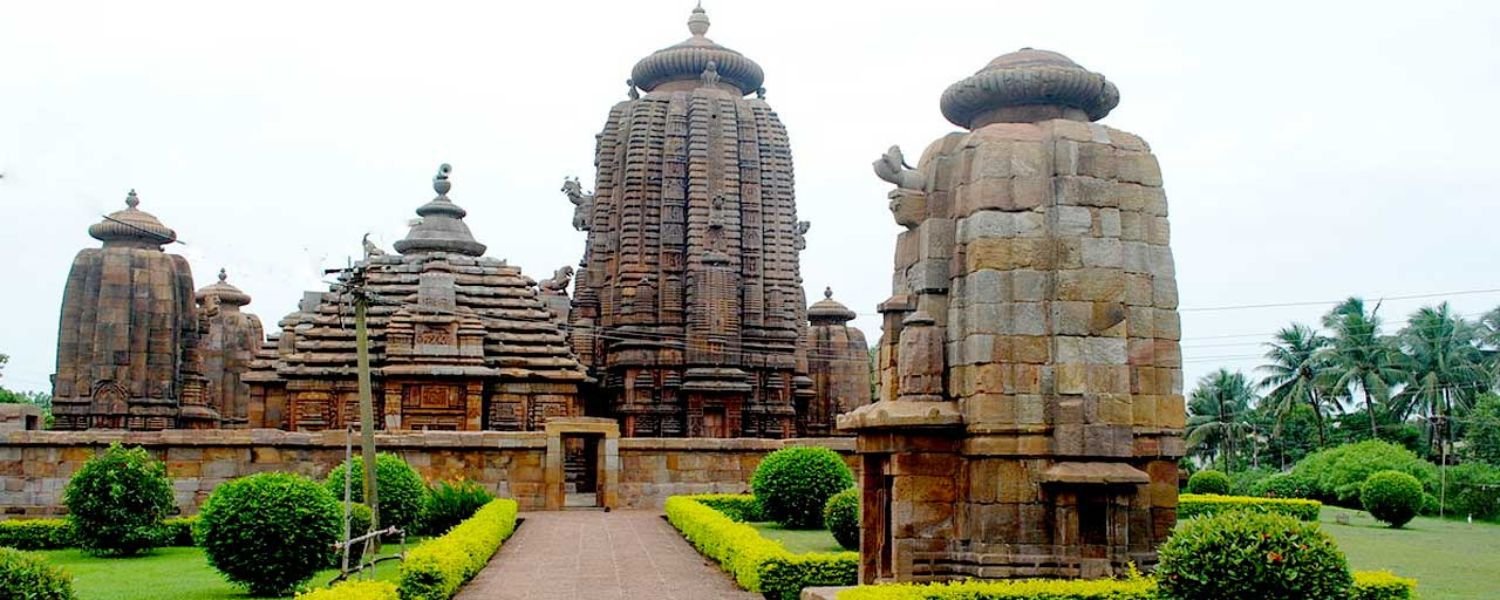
(582, 463)
(581, 470)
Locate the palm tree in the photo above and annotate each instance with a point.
(1219, 414)
(1445, 364)
(1294, 373)
(1361, 358)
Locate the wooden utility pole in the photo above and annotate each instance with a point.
(366, 400)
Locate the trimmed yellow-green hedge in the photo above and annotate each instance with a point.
(1368, 585)
(436, 568)
(355, 590)
(739, 507)
(757, 564)
(1197, 505)
(1382, 585)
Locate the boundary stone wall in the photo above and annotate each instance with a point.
(35, 465)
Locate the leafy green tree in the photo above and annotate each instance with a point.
(1361, 357)
(1218, 421)
(1445, 368)
(1482, 429)
(1295, 375)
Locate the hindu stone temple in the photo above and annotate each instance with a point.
(838, 358)
(688, 307)
(1030, 404)
(458, 341)
(127, 338)
(230, 339)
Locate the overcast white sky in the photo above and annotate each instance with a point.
(1311, 150)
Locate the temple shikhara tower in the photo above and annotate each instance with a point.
(688, 309)
(839, 358)
(127, 339)
(458, 341)
(1030, 406)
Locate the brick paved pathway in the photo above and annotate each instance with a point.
(620, 555)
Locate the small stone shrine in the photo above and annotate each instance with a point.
(1030, 409)
(688, 308)
(128, 333)
(839, 359)
(458, 341)
(231, 339)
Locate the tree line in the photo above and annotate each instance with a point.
(1430, 386)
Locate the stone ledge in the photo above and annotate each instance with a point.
(274, 437)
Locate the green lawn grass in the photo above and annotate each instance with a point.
(180, 573)
(799, 540)
(1451, 560)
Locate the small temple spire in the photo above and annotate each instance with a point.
(440, 183)
(698, 22)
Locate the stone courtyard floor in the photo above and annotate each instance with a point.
(620, 555)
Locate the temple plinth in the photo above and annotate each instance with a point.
(1030, 413)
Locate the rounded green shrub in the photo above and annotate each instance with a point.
(1239, 554)
(1284, 485)
(1209, 481)
(793, 484)
(269, 532)
(1392, 497)
(841, 515)
(27, 575)
(117, 502)
(449, 503)
(1336, 474)
(402, 493)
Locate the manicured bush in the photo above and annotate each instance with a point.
(793, 484)
(1246, 482)
(27, 576)
(739, 507)
(1133, 588)
(841, 515)
(1241, 554)
(401, 492)
(269, 532)
(177, 531)
(757, 564)
(1284, 485)
(117, 501)
(436, 568)
(1337, 473)
(37, 534)
(449, 503)
(1209, 481)
(1195, 505)
(355, 590)
(1474, 489)
(1382, 585)
(1392, 497)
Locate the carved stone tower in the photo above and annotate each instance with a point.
(231, 339)
(1030, 407)
(839, 359)
(689, 308)
(126, 344)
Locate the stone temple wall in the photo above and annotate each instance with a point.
(35, 465)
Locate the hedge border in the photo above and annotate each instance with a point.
(438, 567)
(355, 590)
(57, 534)
(1198, 505)
(757, 563)
(1368, 585)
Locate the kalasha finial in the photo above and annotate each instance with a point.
(131, 200)
(828, 292)
(633, 93)
(698, 23)
(223, 276)
(440, 182)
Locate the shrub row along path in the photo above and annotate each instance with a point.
(620, 555)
